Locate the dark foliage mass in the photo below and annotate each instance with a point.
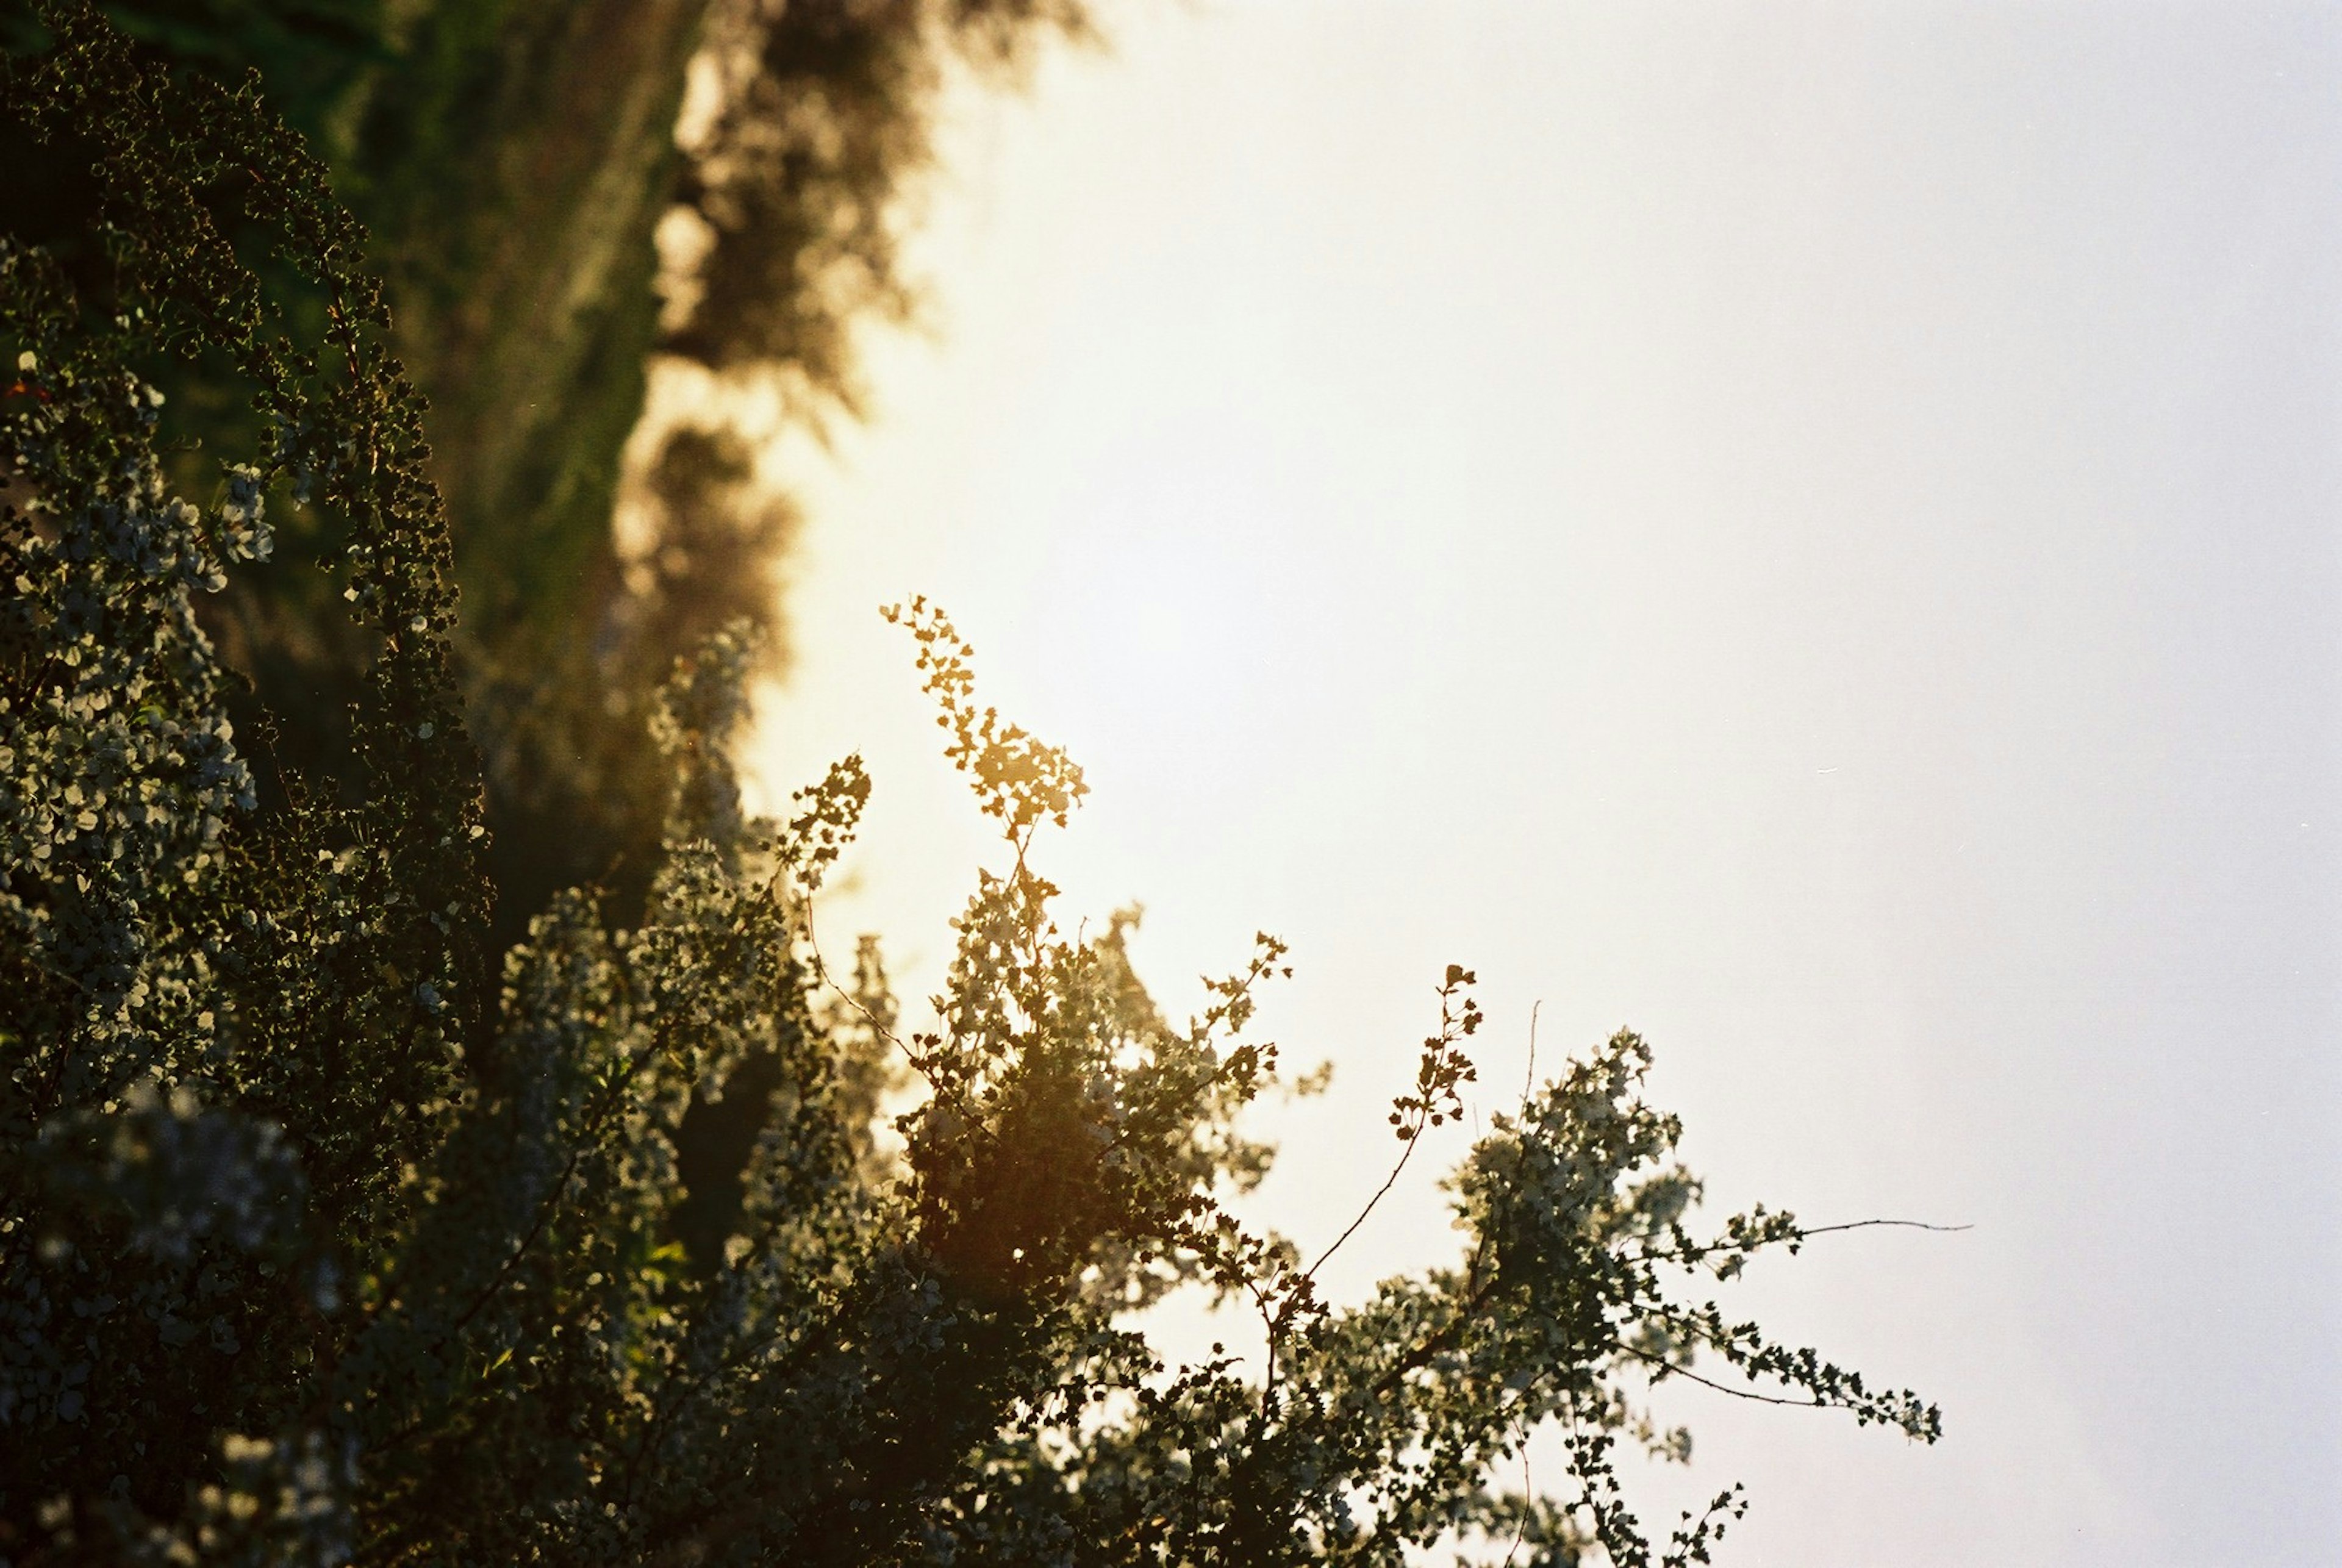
(336, 1229)
(511, 161)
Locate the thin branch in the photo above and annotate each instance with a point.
(1865, 1224)
(1701, 1252)
(1422, 1121)
(821, 973)
(1528, 1487)
(1671, 1369)
(1380, 1192)
(1529, 1074)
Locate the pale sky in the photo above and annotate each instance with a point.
(1808, 530)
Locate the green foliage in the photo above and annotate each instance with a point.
(511, 161)
(329, 1236)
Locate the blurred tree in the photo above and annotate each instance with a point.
(813, 122)
(513, 161)
(330, 1232)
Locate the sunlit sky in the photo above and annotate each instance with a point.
(1809, 530)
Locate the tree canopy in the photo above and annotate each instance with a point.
(334, 1230)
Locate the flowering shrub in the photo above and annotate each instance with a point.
(326, 1235)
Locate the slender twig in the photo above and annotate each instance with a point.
(1528, 1487)
(1529, 1074)
(821, 973)
(1671, 1369)
(1805, 1231)
(1700, 1253)
(1389, 1182)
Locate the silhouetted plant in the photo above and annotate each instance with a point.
(329, 1236)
